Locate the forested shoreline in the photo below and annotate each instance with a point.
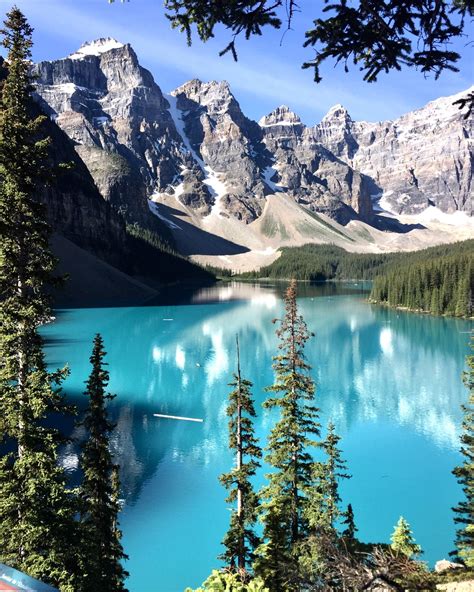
(441, 286)
(437, 280)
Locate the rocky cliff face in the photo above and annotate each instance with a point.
(312, 173)
(422, 158)
(77, 210)
(118, 120)
(226, 145)
(196, 145)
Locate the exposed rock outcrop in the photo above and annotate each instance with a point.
(423, 158)
(118, 119)
(197, 146)
(444, 565)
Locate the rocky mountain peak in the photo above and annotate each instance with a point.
(335, 132)
(195, 147)
(337, 113)
(280, 116)
(95, 48)
(215, 96)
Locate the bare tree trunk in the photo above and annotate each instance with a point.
(240, 517)
(22, 373)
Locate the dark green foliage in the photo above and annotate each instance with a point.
(438, 285)
(320, 263)
(152, 238)
(464, 511)
(154, 259)
(241, 540)
(377, 36)
(324, 512)
(36, 509)
(380, 36)
(218, 272)
(247, 17)
(101, 550)
(328, 262)
(350, 528)
(289, 485)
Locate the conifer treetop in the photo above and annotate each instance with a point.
(402, 540)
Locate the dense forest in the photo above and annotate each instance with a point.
(436, 280)
(441, 285)
(156, 260)
(328, 262)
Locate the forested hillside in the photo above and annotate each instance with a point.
(436, 280)
(328, 262)
(442, 285)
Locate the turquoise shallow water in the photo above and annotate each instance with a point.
(389, 380)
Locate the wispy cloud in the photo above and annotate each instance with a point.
(261, 80)
(271, 79)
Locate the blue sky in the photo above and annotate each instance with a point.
(268, 73)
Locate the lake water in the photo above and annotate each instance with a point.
(389, 380)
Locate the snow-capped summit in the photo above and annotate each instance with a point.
(198, 149)
(280, 116)
(95, 48)
(336, 112)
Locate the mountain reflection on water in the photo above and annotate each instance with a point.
(389, 380)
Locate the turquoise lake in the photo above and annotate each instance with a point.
(389, 380)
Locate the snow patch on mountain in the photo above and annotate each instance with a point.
(211, 179)
(267, 175)
(155, 209)
(433, 214)
(95, 48)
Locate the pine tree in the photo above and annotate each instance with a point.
(102, 551)
(286, 495)
(402, 540)
(223, 581)
(464, 511)
(36, 509)
(323, 511)
(349, 532)
(241, 540)
(322, 508)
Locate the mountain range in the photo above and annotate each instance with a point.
(217, 186)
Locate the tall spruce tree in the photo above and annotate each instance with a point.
(286, 495)
(349, 522)
(36, 510)
(464, 511)
(102, 551)
(323, 508)
(241, 540)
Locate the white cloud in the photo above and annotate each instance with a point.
(262, 79)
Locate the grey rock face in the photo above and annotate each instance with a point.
(225, 144)
(198, 146)
(118, 120)
(76, 209)
(311, 173)
(423, 158)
